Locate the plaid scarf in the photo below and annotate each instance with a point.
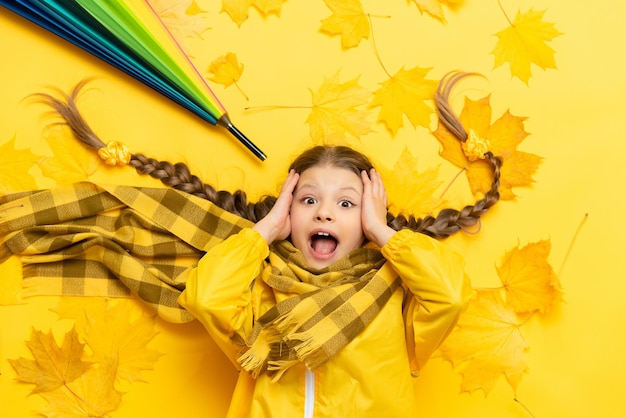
(331, 307)
(98, 240)
(110, 241)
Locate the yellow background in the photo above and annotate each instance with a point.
(575, 114)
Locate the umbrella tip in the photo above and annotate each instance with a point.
(225, 122)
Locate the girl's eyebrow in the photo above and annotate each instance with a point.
(350, 188)
(311, 186)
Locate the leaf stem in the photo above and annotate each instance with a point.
(276, 107)
(504, 13)
(524, 406)
(380, 61)
(456, 176)
(572, 242)
(242, 92)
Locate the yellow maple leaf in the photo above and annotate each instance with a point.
(348, 20)
(117, 331)
(487, 344)
(226, 69)
(14, 167)
(405, 93)
(72, 162)
(529, 280)
(335, 110)
(93, 394)
(504, 135)
(238, 9)
(114, 335)
(184, 19)
(53, 366)
(432, 7)
(410, 197)
(524, 43)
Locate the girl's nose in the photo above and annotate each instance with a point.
(324, 214)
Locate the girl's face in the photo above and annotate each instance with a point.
(326, 214)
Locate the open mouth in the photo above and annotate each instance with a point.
(323, 244)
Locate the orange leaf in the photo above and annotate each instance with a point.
(53, 366)
(487, 344)
(504, 135)
(529, 281)
(524, 43)
(14, 167)
(348, 20)
(335, 110)
(406, 93)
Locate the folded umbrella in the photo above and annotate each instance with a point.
(131, 37)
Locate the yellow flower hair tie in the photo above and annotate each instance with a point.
(115, 153)
(475, 147)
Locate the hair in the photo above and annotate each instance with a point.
(178, 176)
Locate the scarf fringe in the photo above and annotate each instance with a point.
(254, 360)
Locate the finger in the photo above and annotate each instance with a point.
(378, 188)
(365, 178)
(290, 183)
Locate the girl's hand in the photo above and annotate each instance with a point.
(374, 209)
(276, 225)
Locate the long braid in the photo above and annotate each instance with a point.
(449, 221)
(176, 175)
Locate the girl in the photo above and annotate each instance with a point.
(326, 326)
(326, 303)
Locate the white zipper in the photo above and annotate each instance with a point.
(309, 393)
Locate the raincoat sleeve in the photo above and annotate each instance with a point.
(439, 291)
(219, 290)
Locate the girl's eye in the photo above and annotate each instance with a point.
(345, 204)
(308, 201)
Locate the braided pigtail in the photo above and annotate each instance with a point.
(176, 175)
(449, 221)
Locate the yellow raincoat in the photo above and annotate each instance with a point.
(369, 377)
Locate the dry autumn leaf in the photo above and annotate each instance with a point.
(114, 336)
(226, 70)
(14, 167)
(238, 9)
(53, 366)
(72, 162)
(348, 20)
(487, 344)
(114, 328)
(528, 279)
(411, 192)
(504, 135)
(184, 19)
(432, 7)
(85, 383)
(406, 93)
(524, 43)
(336, 110)
(93, 394)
